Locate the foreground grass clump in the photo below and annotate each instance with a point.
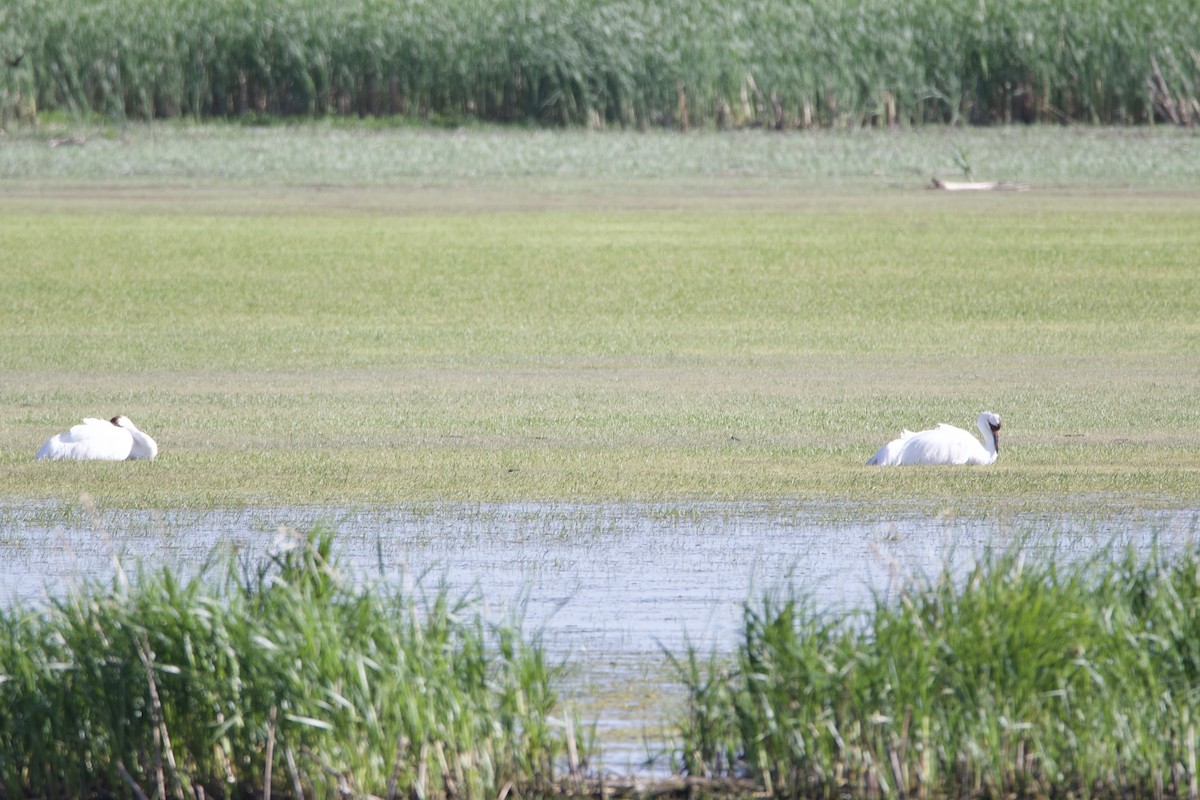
(1027, 680)
(282, 676)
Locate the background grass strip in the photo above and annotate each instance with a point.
(776, 63)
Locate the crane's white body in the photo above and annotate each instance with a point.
(945, 445)
(117, 439)
(889, 454)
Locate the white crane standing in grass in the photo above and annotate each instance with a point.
(944, 444)
(117, 439)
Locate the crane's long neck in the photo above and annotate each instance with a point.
(143, 446)
(991, 439)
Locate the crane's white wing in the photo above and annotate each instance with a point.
(93, 440)
(944, 444)
(889, 454)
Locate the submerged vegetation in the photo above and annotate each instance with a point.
(779, 63)
(279, 675)
(1024, 679)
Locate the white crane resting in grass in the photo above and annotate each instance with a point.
(117, 439)
(944, 444)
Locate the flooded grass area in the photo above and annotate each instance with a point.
(495, 161)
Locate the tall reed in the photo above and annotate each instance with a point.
(279, 676)
(780, 63)
(1024, 679)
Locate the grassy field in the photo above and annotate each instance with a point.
(331, 315)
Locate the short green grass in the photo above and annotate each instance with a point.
(689, 335)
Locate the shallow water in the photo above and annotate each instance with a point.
(614, 579)
(608, 585)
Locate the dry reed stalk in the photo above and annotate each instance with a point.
(397, 762)
(1193, 788)
(297, 786)
(572, 752)
(269, 756)
(160, 722)
(420, 787)
(130, 782)
(897, 771)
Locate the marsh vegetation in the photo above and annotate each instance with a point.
(628, 63)
(277, 672)
(1027, 678)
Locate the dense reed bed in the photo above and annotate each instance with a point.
(780, 63)
(280, 676)
(1023, 680)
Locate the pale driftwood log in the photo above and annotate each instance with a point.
(978, 186)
